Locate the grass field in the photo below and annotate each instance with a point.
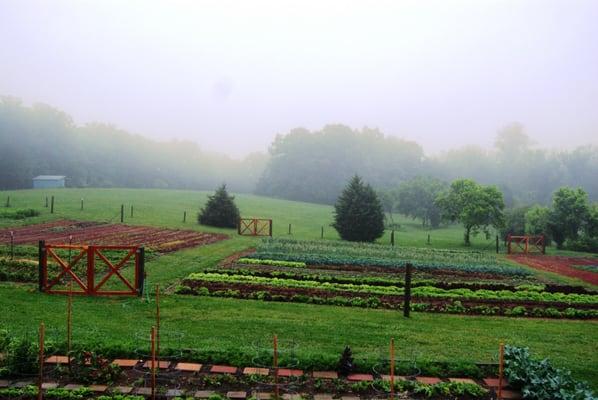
(216, 323)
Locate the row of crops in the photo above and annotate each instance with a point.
(368, 275)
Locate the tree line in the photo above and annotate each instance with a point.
(41, 140)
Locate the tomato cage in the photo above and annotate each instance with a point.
(526, 244)
(255, 227)
(91, 270)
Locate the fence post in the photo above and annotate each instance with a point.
(141, 272)
(184, 216)
(497, 244)
(40, 264)
(122, 213)
(392, 238)
(501, 358)
(509, 243)
(8, 201)
(69, 323)
(543, 244)
(42, 332)
(289, 229)
(270, 233)
(46, 201)
(407, 304)
(12, 245)
(52, 205)
(428, 238)
(90, 270)
(81, 204)
(392, 368)
(239, 226)
(322, 233)
(158, 322)
(131, 211)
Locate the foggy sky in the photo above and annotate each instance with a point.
(230, 75)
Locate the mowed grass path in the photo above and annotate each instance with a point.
(214, 323)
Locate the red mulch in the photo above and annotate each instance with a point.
(560, 265)
(159, 239)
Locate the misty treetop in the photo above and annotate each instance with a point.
(41, 140)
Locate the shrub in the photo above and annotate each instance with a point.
(358, 215)
(220, 210)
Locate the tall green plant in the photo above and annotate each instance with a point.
(220, 210)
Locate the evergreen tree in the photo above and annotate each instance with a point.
(358, 216)
(220, 210)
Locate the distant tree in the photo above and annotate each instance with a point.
(358, 213)
(477, 207)
(514, 221)
(536, 222)
(570, 209)
(417, 199)
(220, 210)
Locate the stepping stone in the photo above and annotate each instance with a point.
(360, 377)
(463, 380)
(325, 375)
(255, 371)
(22, 384)
(57, 360)
(289, 372)
(397, 378)
(4, 383)
(493, 382)
(203, 394)
(73, 386)
(223, 369)
(188, 367)
(174, 393)
(322, 397)
(510, 394)
(123, 389)
(263, 395)
(236, 395)
(428, 380)
(49, 385)
(159, 364)
(125, 363)
(288, 396)
(143, 391)
(98, 388)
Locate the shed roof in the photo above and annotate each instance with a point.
(49, 177)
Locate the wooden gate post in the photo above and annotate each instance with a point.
(41, 264)
(90, 270)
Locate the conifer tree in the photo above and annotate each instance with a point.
(220, 210)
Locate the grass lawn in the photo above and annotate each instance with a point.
(215, 324)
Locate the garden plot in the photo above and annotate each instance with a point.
(77, 232)
(347, 274)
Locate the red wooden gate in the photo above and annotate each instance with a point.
(255, 227)
(85, 278)
(526, 244)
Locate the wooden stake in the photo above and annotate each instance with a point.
(184, 216)
(392, 368)
(276, 391)
(501, 357)
(122, 213)
(153, 351)
(52, 205)
(42, 332)
(69, 323)
(158, 322)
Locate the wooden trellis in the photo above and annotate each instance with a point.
(526, 244)
(255, 227)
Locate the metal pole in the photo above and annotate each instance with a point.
(153, 351)
(392, 368)
(501, 356)
(407, 305)
(276, 392)
(42, 331)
